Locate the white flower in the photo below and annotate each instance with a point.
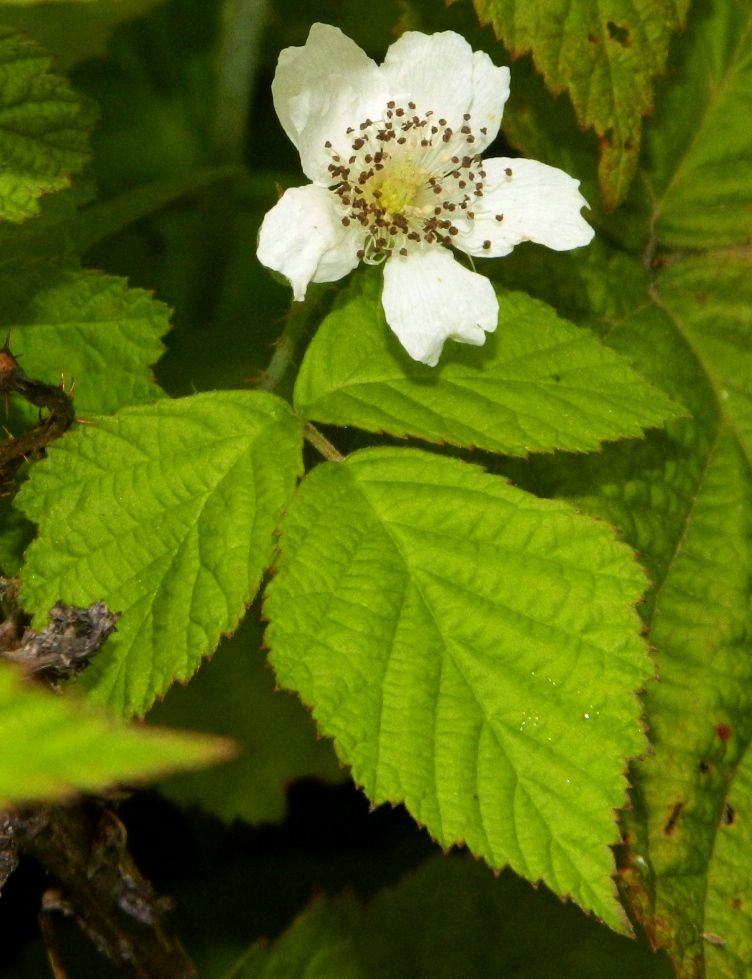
(393, 151)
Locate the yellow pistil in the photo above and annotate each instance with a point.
(403, 183)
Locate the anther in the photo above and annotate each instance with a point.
(466, 117)
(508, 171)
(499, 217)
(486, 245)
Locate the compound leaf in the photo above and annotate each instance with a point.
(166, 513)
(474, 651)
(53, 746)
(539, 383)
(44, 128)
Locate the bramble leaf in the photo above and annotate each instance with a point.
(87, 327)
(709, 299)
(683, 498)
(474, 651)
(539, 383)
(53, 746)
(696, 173)
(165, 512)
(606, 54)
(451, 918)
(234, 695)
(44, 128)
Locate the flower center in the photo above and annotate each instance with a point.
(401, 186)
(406, 179)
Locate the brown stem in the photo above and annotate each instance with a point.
(84, 848)
(61, 415)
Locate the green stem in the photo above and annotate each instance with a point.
(103, 219)
(320, 442)
(242, 25)
(295, 330)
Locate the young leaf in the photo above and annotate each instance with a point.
(166, 513)
(234, 695)
(86, 326)
(449, 919)
(474, 651)
(44, 128)
(606, 54)
(53, 746)
(539, 383)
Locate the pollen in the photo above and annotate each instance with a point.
(408, 180)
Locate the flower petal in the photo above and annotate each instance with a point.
(537, 203)
(429, 297)
(490, 93)
(303, 238)
(322, 89)
(433, 70)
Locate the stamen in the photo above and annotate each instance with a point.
(396, 185)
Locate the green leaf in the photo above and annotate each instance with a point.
(709, 299)
(72, 30)
(696, 172)
(166, 513)
(452, 918)
(473, 650)
(684, 499)
(16, 533)
(53, 746)
(234, 695)
(538, 383)
(728, 927)
(84, 326)
(44, 128)
(606, 54)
